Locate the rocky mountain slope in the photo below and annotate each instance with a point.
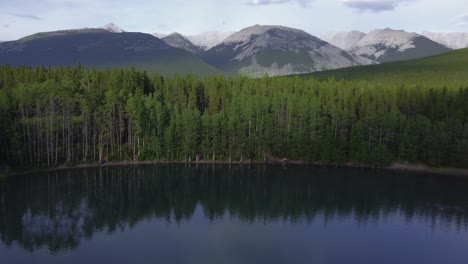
(385, 45)
(176, 40)
(277, 50)
(344, 40)
(453, 40)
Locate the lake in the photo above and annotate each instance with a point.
(233, 214)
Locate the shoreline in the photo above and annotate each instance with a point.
(420, 168)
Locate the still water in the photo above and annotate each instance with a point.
(238, 214)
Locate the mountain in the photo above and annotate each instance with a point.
(176, 40)
(111, 27)
(204, 40)
(99, 48)
(447, 69)
(344, 40)
(276, 50)
(455, 40)
(67, 32)
(209, 39)
(385, 45)
(159, 36)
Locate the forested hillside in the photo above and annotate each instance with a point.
(448, 69)
(74, 115)
(101, 49)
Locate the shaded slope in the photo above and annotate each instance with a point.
(102, 50)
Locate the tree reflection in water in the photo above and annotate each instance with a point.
(59, 209)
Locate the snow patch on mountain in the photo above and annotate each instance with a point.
(111, 27)
(344, 40)
(453, 40)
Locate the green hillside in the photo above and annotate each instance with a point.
(446, 69)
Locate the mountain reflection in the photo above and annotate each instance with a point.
(59, 209)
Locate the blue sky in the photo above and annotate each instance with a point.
(19, 18)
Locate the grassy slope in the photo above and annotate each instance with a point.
(446, 69)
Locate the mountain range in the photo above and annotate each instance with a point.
(386, 45)
(176, 40)
(344, 40)
(101, 48)
(204, 41)
(253, 51)
(277, 50)
(453, 40)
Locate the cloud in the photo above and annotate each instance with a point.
(6, 25)
(303, 3)
(26, 16)
(374, 6)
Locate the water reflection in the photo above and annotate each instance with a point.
(60, 209)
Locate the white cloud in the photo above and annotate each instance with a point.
(194, 17)
(374, 6)
(302, 3)
(33, 17)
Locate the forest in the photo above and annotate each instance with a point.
(73, 115)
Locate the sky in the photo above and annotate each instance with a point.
(19, 18)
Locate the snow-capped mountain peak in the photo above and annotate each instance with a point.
(111, 27)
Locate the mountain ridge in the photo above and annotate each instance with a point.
(453, 40)
(253, 51)
(276, 50)
(177, 40)
(99, 48)
(344, 39)
(386, 45)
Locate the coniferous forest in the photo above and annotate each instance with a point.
(50, 117)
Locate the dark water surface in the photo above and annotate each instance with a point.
(220, 214)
